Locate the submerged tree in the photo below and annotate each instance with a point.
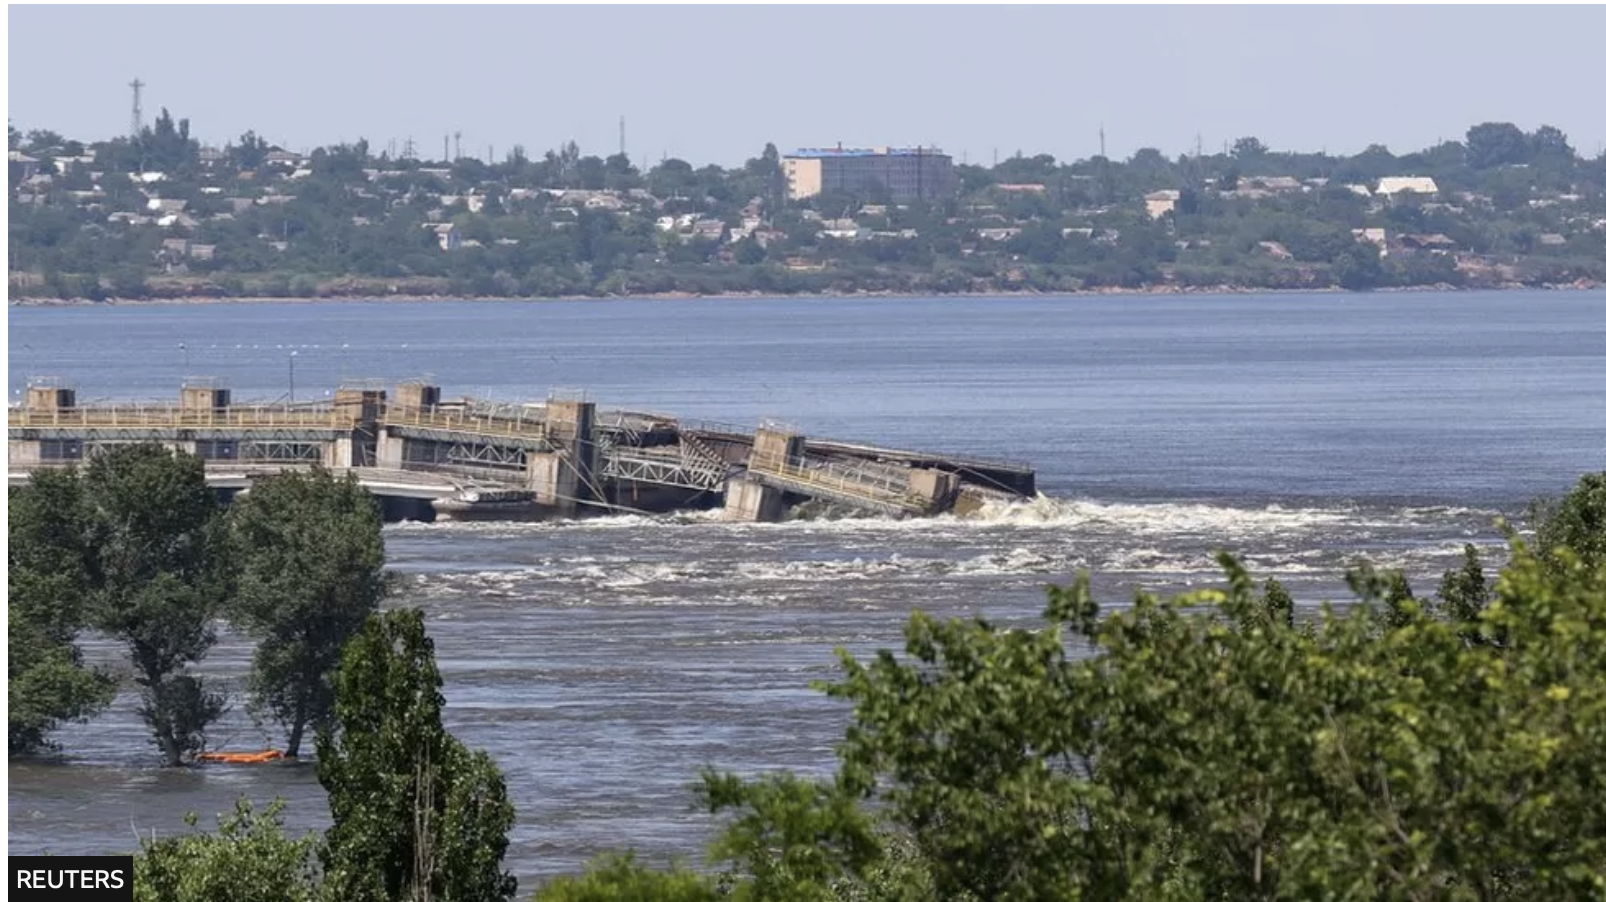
(417, 816)
(47, 589)
(127, 546)
(151, 525)
(309, 559)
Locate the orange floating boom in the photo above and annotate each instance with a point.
(241, 757)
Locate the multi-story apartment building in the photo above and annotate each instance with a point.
(906, 173)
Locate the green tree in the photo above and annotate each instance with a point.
(959, 743)
(792, 840)
(158, 581)
(671, 178)
(248, 859)
(1359, 268)
(619, 878)
(749, 252)
(1576, 522)
(128, 281)
(1207, 746)
(768, 176)
(46, 684)
(416, 815)
(1494, 144)
(1248, 149)
(591, 172)
(309, 558)
(1550, 144)
(621, 175)
(47, 591)
(1465, 593)
(250, 153)
(167, 147)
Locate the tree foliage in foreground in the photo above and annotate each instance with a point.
(1576, 521)
(1208, 747)
(248, 859)
(620, 878)
(309, 558)
(417, 816)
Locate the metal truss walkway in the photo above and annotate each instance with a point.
(870, 487)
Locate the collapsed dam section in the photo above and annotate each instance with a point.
(425, 456)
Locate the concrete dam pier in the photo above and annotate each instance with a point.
(426, 457)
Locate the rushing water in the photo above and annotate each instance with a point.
(603, 662)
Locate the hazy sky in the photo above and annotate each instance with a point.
(712, 84)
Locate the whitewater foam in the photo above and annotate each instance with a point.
(1225, 523)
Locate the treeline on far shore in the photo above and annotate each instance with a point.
(1219, 744)
(161, 216)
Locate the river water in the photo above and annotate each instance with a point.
(603, 662)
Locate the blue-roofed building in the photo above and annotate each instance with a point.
(901, 173)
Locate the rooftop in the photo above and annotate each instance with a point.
(821, 152)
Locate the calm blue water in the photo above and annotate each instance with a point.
(1459, 397)
(603, 662)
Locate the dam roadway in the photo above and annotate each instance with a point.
(424, 456)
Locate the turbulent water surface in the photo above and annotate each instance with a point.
(603, 662)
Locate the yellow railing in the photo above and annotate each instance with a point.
(854, 483)
(176, 418)
(466, 420)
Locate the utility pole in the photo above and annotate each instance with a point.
(136, 123)
(1104, 169)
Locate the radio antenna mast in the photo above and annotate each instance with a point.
(136, 123)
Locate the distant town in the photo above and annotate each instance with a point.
(157, 215)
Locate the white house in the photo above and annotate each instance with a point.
(1399, 184)
(449, 236)
(1159, 203)
(1379, 238)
